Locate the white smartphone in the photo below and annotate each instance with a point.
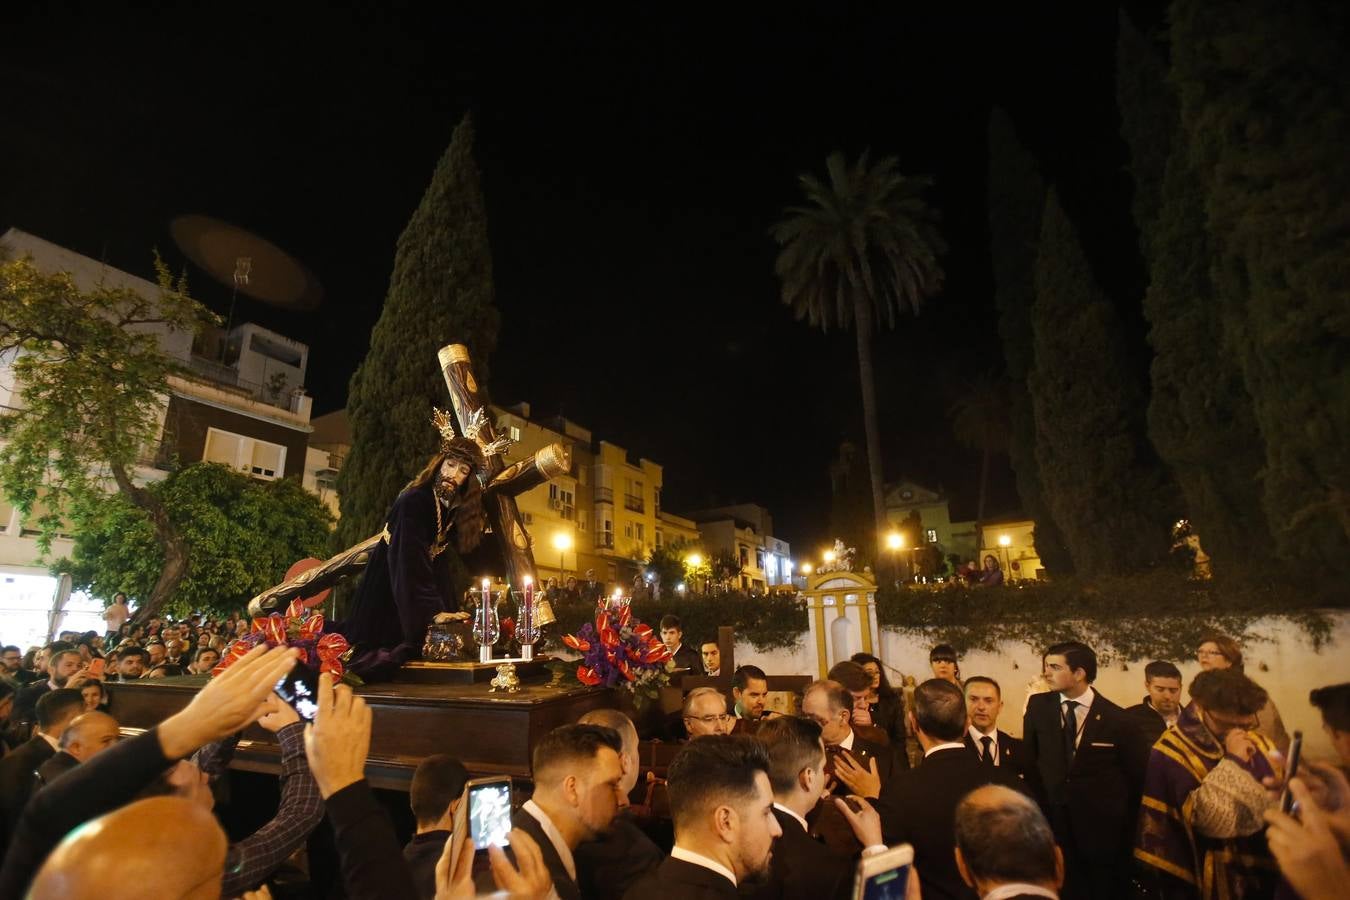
(885, 876)
(489, 812)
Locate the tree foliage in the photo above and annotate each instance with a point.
(1200, 415)
(440, 293)
(1100, 477)
(1264, 114)
(92, 377)
(1016, 202)
(863, 248)
(241, 534)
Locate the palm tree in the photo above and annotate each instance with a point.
(980, 421)
(863, 247)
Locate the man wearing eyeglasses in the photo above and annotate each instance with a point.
(1201, 825)
(705, 712)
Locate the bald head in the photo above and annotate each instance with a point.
(167, 847)
(89, 735)
(1003, 838)
(612, 718)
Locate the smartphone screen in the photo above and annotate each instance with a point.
(96, 667)
(490, 814)
(299, 688)
(1295, 753)
(888, 885)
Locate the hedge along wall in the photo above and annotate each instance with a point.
(1281, 654)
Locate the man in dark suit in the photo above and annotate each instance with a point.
(803, 867)
(1004, 844)
(1087, 760)
(722, 805)
(591, 590)
(863, 766)
(609, 864)
(1162, 704)
(685, 657)
(87, 735)
(55, 710)
(63, 670)
(435, 794)
(578, 785)
(992, 747)
(918, 807)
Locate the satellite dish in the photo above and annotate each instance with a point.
(243, 261)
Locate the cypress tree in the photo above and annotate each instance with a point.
(1199, 414)
(1263, 95)
(1101, 481)
(440, 293)
(1016, 200)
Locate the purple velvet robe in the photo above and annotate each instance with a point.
(1230, 868)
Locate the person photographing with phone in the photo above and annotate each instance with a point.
(1202, 819)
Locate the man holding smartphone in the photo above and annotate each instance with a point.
(1201, 822)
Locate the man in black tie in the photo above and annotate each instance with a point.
(722, 805)
(984, 704)
(609, 864)
(1087, 760)
(55, 711)
(918, 806)
(803, 866)
(578, 786)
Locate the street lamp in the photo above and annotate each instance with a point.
(806, 568)
(1005, 541)
(895, 541)
(828, 556)
(562, 542)
(679, 588)
(693, 562)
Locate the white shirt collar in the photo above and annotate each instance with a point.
(977, 735)
(698, 859)
(847, 743)
(56, 745)
(781, 808)
(1013, 890)
(1084, 701)
(947, 746)
(554, 835)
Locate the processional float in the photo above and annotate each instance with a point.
(502, 484)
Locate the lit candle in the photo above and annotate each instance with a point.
(485, 648)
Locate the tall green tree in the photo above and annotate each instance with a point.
(241, 535)
(980, 421)
(1263, 96)
(440, 293)
(1102, 482)
(1200, 415)
(91, 376)
(863, 248)
(1016, 202)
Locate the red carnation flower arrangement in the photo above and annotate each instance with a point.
(297, 628)
(620, 651)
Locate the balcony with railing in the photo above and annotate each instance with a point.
(604, 540)
(228, 377)
(634, 503)
(604, 494)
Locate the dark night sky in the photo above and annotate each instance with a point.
(632, 163)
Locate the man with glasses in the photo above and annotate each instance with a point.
(705, 712)
(1200, 826)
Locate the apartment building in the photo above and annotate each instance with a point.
(746, 531)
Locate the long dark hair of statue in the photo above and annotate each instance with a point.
(470, 520)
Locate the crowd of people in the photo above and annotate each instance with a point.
(1176, 796)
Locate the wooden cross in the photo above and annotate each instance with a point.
(504, 483)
